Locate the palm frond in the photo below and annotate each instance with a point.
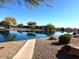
(26, 2)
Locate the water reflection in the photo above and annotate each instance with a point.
(10, 37)
(31, 34)
(15, 35)
(4, 32)
(7, 36)
(57, 34)
(20, 31)
(50, 34)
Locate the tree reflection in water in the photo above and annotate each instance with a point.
(31, 34)
(50, 34)
(8, 36)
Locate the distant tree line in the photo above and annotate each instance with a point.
(11, 22)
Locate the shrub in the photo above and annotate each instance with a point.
(65, 39)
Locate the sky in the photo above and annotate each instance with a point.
(64, 13)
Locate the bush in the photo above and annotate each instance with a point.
(65, 39)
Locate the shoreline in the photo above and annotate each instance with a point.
(44, 49)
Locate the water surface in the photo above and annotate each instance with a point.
(15, 35)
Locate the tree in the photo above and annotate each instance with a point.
(68, 29)
(11, 21)
(5, 24)
(32, 25)
(50, 27)
(62, 29)
(20, 25)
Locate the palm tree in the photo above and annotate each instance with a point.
(4, 3)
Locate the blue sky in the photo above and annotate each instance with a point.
(64, 13)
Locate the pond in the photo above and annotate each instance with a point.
(6, 36)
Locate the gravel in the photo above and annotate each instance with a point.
(9, 49)
(50, 49)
